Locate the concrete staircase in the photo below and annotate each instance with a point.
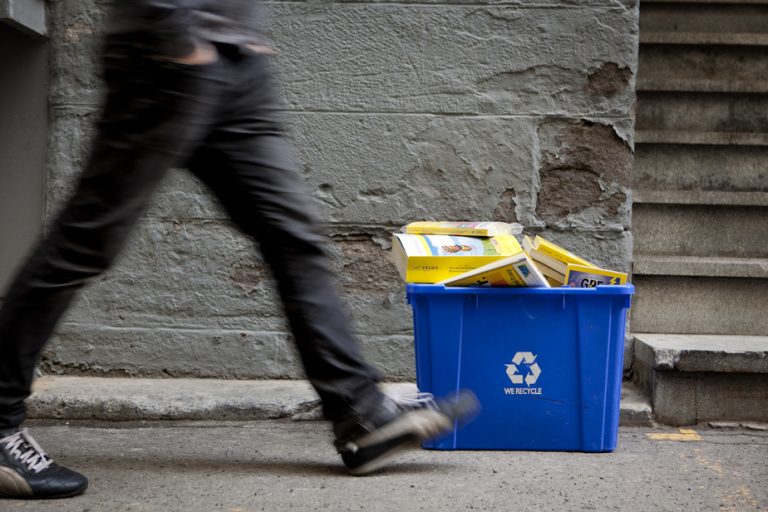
(700, 214)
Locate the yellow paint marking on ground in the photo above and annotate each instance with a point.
(684, 434)
(741, 500)
(714, 466)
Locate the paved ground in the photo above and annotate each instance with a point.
(287, 465)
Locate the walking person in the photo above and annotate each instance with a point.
(188, 85)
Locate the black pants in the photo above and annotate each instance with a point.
(219, 120)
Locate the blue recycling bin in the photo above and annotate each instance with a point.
(546, 363)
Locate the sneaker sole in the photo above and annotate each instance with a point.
(37, 497)
(405, 433)
(13, 486)
(384, 459)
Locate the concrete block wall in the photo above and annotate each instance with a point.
(521, 111)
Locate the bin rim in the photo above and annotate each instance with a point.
(419, 289)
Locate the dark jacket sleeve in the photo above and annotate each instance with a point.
(161, 27)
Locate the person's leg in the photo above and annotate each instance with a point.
(249, 165)
(155, 114)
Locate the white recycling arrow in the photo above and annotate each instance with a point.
(513, 370)
(532, 377)
(515, 377)
(528, 357)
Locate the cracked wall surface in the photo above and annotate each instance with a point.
(436, 109)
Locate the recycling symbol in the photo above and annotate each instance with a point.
(522, 361)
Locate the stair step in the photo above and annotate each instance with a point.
(700, 192)
(701, 138)
(700, 230)
(703, 353)
(699, 305)
(701, 85)
(756, 268)
(712, 197)
(698, 378)
(708, 38)
(676, 167)
(707, 68)
(635, 410)
(739, 2)
(698, 112)
(733, 21)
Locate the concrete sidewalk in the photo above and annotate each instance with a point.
(279, 465)
(129, 399)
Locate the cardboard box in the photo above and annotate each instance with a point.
(432, 258)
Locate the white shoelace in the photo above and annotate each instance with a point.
(418, 400)
(23, 447)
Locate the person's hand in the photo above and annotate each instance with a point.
(260, 48)
(204, 53)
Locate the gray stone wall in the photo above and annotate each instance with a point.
(516, 111)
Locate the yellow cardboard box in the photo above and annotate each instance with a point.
(433, 258)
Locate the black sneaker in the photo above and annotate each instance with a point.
(27, 472)
(411, 423)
